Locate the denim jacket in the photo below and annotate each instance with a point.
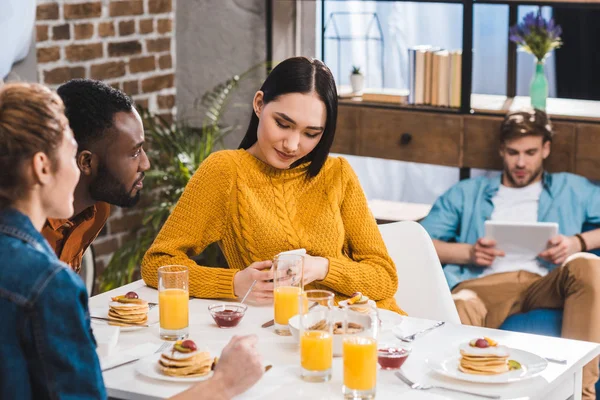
(47, 350)
(459, 214)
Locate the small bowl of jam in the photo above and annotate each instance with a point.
(227, 315)
(392, 355)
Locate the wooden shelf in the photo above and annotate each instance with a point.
(563, 109)
(567, 109)
(358, 101)
(466, 140)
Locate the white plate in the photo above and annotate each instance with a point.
(149, 367)
(102, 312)
(532, 365)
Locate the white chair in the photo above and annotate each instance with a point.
(422, 288)
(88, 270)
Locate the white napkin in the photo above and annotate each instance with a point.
(139, 351)
(106, 337)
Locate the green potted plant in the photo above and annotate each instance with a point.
(357, 79)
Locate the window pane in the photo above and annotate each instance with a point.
(352, 38)
(490, 47)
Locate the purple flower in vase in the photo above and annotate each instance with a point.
(535, 35)
(541, 22)
(515, 35)
(554, 31)
(529, 21)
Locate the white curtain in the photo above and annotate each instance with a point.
(17, 19)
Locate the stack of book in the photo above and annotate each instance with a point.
(434, 76)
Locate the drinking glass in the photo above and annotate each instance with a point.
(287, 282)
(316, 334)
(359, 350)
(173, 301)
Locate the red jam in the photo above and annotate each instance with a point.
(391, 357)
(227, 318)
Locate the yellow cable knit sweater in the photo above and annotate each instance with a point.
(255, 211)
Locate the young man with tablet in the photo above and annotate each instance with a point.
(490, 283)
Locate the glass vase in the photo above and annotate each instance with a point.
(538, 89)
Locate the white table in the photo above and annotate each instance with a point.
(283, 380)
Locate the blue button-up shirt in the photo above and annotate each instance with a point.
(459, 214)
(47, 350)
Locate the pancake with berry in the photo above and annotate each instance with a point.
(185, 360)
(127, 310)
(483, 357)
(359, 302)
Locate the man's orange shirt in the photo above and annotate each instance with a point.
(71, 237)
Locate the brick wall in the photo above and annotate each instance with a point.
(129, 44)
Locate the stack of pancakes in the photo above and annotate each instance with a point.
(192, 364)
(127, 312)
(491, 360)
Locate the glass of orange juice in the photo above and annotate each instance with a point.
(287, 283)
(173, 301)
(316, 334)
(359, 351)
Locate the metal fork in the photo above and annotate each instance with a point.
(162, 348)
(419, 386)
(412, 337)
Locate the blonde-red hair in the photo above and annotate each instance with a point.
(32, 120)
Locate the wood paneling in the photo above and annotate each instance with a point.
(482, 141)
(348, 124)
(456, 140)
(562, 155)
(588, 151)
(411, 136)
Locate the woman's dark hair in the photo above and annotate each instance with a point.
(301, 75)
(518, 124)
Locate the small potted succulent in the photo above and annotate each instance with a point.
(357, 79)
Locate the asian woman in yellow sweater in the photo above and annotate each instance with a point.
(279, 191)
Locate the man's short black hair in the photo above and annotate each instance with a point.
(90, 107)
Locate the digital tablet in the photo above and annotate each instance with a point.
(519, 238)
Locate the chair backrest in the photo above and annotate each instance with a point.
(88, 270)
(422, 288)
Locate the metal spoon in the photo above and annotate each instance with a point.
(248, 292)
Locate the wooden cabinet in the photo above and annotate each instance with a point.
(587, 162)
(563, 153)
(399, 135)
(347, 129)
(411, 136)
(470, 141)
(482, 141)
